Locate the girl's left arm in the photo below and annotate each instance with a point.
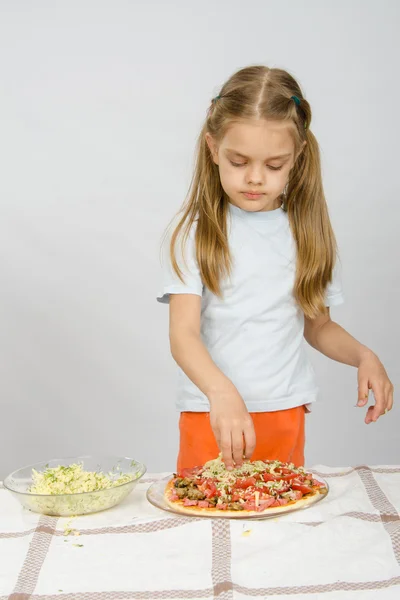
(330, 339)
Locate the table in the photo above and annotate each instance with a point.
(345, 547)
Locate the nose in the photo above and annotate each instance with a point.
(255, 176)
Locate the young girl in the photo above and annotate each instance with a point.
(249, 274)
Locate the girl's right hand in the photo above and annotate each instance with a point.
(232, 426)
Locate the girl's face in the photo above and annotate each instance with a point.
(254, 159)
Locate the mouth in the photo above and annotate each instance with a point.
(253, 195)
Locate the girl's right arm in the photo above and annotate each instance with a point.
(231, 423)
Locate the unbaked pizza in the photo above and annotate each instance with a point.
(257, 487)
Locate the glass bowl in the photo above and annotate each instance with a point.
(69, 505)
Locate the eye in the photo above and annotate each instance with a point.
(235, 164)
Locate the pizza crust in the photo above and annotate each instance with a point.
(178, 506)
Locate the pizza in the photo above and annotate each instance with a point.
(261, 487)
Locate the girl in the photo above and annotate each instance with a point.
(250, 273)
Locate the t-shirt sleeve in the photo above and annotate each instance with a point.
(334, 291)
(187, 262)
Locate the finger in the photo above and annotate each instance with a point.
(226, 449)
(249, 439)
(380, 404)
(218, 440)
(237, 446)
(217, 433)
(363, 392)
(390, 400)
(368, 416)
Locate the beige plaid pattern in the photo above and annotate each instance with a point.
(347, 546)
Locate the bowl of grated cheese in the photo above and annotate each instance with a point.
(75, 486)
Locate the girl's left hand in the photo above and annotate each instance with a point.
(372, 376)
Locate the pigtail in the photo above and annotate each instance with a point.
(312, 230)
(206, 206)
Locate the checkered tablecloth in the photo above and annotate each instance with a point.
(346, 547)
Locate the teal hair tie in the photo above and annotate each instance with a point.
(216, 98)
(298, 102)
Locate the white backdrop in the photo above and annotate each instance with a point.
(101, 104)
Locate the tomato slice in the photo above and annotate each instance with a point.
(236, 497)
(305, 489)
(282, 471)
(269, 477)
(210, 489)
(243, 484)
(264, 490)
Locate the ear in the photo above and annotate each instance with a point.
(213, 147)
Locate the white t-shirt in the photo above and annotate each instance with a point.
(254, 333)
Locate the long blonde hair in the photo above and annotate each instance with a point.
(259, 92)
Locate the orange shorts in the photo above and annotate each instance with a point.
(280, 435)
